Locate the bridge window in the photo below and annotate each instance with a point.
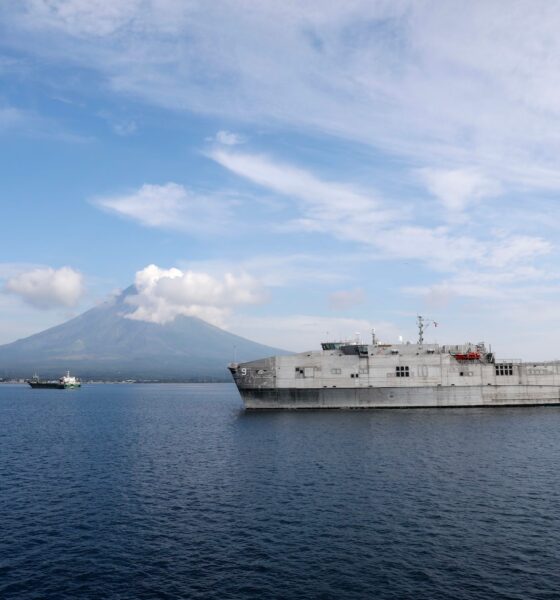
(305, 372)
(402, 371)
(336, 371)
(504, 369)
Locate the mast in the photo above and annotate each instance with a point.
(422, 324)
(420, 321)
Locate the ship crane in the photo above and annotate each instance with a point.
(423, 323)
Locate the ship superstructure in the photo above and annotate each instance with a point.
(378, 375)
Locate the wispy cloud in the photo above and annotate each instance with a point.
(296, 182)
(326, 206)
(31, 124)
(450, 88)
(228, 138)
(284, 269)
(17, 119)
(459, 189)
(169, 206)
(80, 18)
(343, 211)
(11, 117)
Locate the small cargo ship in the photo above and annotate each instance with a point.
(64, 382)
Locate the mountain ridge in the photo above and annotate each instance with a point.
(102, 343)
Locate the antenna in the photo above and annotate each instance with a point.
(420, 321)
(423, 323)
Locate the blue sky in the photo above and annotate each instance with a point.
(284, 170)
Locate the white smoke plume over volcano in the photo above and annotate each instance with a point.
(163, 294)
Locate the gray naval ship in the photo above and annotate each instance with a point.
(404, 375)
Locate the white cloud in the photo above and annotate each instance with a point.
(47, 287)
(227, 138)
(459, 189)
(292, 181)
(164, 294)
(169, 206)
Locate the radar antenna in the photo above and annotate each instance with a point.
(423, 323)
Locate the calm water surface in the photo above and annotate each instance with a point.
(172, 491)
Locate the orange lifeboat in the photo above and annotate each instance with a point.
(467, 356)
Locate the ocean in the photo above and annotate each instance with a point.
(174, 491)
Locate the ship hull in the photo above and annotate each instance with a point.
(46, 385)
(51, 385)
(399, 397)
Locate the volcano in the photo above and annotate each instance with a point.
(104, 343)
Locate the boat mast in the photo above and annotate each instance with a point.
(422, 324)
(420, 321)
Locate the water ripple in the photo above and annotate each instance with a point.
(174, 492)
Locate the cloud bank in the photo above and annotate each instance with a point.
(47, 287)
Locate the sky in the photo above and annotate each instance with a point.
(292, 172)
